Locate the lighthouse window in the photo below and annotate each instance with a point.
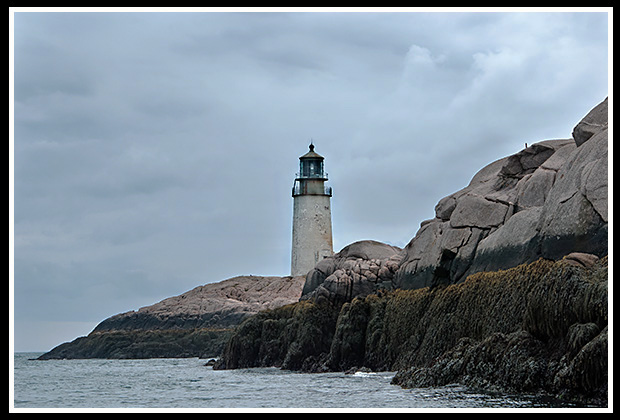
(312, 169)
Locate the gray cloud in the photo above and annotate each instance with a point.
(154, 152)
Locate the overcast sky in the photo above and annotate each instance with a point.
(155, 152)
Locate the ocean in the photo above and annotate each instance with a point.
(188, 383)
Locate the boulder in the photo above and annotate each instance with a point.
(527, 160)
(594, 122)
(474, 210)
(581, 259)
(357, 270)
(368, 250)
(532, 190)
(511, 244)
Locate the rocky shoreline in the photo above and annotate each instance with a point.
(459, 333)
(505, 289)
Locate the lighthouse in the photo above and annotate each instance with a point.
(312, 216)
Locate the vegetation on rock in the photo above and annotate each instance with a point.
(292, 337)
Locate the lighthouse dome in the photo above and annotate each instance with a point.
(311, 154)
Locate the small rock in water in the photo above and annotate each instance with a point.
(355, 370)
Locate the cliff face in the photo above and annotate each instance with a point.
(195, 323)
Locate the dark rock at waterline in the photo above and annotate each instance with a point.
(294, 337)
(143, 344)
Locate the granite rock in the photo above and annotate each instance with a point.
(215, 305)
(357, 270)
(594, 122)
(546, 200)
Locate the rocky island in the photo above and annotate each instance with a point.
(505, 289)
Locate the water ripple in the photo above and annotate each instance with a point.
(187, 383)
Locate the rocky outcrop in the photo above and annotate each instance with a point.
(196, 323)
(547, 200)
(143, 344)
(214, 305)
(357, 270)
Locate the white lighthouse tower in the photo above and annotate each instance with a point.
(312, 216)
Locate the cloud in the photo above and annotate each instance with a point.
(154, 152)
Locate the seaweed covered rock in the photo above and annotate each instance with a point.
(412, 327)
(557, 342)
(294, 337)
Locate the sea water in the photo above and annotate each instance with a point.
(188, 383)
